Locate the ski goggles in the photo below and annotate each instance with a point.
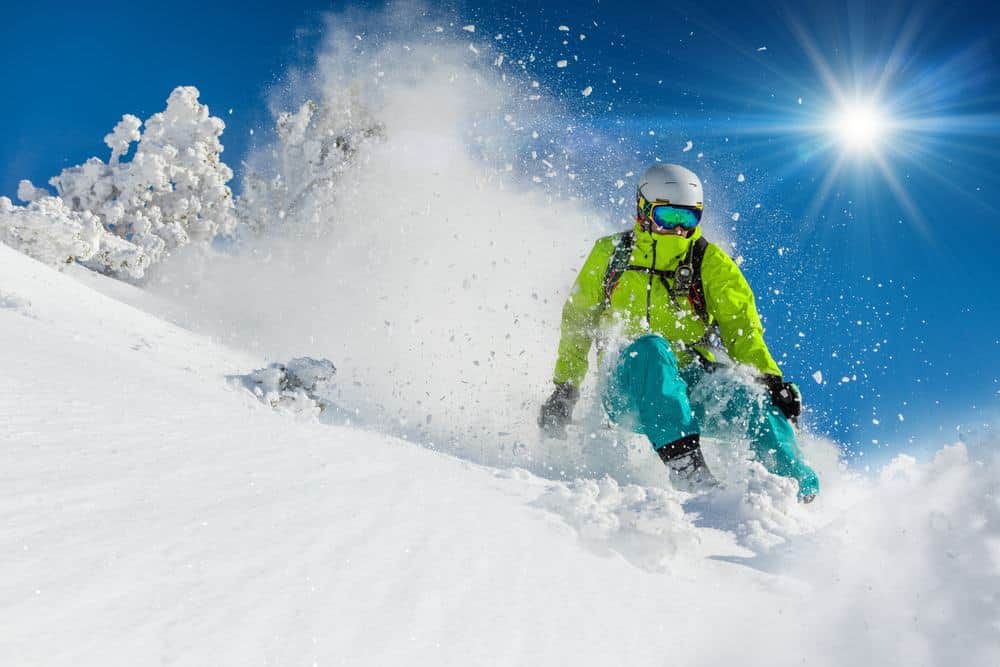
(666, 214)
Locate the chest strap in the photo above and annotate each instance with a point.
(619, 264)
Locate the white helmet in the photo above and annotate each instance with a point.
(673, 184)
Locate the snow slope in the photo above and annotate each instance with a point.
(154, 512)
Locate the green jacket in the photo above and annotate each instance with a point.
(728, 298)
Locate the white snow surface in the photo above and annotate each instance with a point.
(155, 512)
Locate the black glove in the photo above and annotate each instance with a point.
(557, 411)
(785, 395)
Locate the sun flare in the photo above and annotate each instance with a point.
(859, 126)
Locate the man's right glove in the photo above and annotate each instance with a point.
(785, 396)
(558, 410)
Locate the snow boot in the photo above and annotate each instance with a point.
(684, 460)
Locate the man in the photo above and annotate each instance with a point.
(667, 295)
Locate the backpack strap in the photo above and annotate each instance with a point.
(696, 295)
(618, 263)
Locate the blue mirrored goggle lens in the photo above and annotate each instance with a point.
(672, 216)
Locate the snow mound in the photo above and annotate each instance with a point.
(303, 385)
(12, 301)
(768, 512)
(920, 555)
(648, 526)
(760, 509)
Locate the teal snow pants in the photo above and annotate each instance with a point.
(665, 403)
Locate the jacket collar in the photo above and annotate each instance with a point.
(670, 249)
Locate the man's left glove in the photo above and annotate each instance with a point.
(558, 410)
(785, 396)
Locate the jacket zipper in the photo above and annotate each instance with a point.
(649, 290)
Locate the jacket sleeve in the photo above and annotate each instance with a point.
(580, 315)
(730, 301)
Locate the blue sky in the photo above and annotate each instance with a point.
(892, 284)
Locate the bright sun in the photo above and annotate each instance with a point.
(859, 126)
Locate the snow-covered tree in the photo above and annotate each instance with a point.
(122, 216)
(171, 193)
(48, 230)
(315, 145)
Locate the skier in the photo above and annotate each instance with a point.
(670, 298)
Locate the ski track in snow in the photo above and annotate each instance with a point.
(154, 512)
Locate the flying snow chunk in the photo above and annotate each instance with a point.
(688, 146)
(736, 217)
(564, 28)
(763, 48)
(741, 178)
(800, 100)
(818, 376)
(469, 28)
(473, 49)
(561, 63)
(587, 91)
